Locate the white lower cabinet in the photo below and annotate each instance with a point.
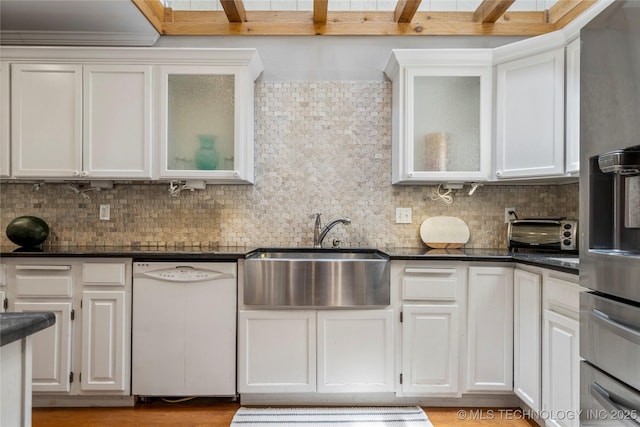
(51, 347)
(547, 345)
(355, 351)
(527, 337)
(103, 343)
(87, 351)
(3, 292)
(489, 358)
(323, 351)
(560, 353)
(430, 350)
(277, 351)
(430, 296)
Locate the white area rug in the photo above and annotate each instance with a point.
(322, 417)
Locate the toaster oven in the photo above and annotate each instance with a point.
(543, 234)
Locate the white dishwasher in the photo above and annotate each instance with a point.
(184, 329)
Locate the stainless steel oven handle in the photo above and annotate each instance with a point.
(606, 399)
(617, 328)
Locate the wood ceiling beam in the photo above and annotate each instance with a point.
(406, 10)
(564, 11)
(490, 11)
(297, 23)
(234, 9)
(300, 23)
(320, 11)
(153, 10)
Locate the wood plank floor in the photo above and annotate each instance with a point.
(217, 414)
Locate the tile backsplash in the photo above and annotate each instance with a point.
(320, 147)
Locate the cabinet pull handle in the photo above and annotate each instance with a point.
(418, 270)
(85, 173)
(614, 403)
(617, 328)
(76, 173)
(44, 267)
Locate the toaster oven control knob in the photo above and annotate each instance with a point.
(567, 234)
(567, 226)
(566, 242)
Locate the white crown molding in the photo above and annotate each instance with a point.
(86, 38)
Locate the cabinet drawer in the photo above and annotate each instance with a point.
(103, 274)
(44, 281)
(562, 296)
(438, 284)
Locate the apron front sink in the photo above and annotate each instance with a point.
(316, 278)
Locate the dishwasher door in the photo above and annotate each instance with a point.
(184, 329)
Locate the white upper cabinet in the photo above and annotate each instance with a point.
(46, 120)
(207, 121)
(5, 138)
(442, 109)
(81, 121)
(530, 116)
(572, 160)
(117, 121)
(110, 113)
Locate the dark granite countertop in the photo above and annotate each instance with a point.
(15, 326)
(560, 262)
(139, 253)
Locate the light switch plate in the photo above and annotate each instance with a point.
(105, 212)
(507, 215)
(403, 215)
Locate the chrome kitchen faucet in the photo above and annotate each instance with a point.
(319, 233)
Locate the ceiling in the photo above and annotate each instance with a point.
(74, 22)
(142, 22)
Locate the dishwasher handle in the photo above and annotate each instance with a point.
(184, 274)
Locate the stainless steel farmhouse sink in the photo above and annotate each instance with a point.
(316, 278)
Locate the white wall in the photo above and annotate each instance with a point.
(310, 58)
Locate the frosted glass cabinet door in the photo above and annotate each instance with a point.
(442, 109)
(207, 123)
(446, 124)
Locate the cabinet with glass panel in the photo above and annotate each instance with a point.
(207, 119)
(442, 109)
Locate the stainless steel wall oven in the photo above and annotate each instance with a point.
(610, 217)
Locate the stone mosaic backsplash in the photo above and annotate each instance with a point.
(320, 147)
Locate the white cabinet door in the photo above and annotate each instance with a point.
(561, 369)
(530, 116)
(5, 117)
(51, 347)
(442, 110)
(103, 340)
(117, 121)
(355, 351)
(277, 351)
(206, 123)
(430, 355)
(46, 120)
(3, 296)
(572, 161)
(490, 329)
(527, 345)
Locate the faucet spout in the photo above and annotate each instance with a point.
(319, 232)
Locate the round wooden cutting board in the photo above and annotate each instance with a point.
(444, 232)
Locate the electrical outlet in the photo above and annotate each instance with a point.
(507, 215)
(403, 215)
(105, 212)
